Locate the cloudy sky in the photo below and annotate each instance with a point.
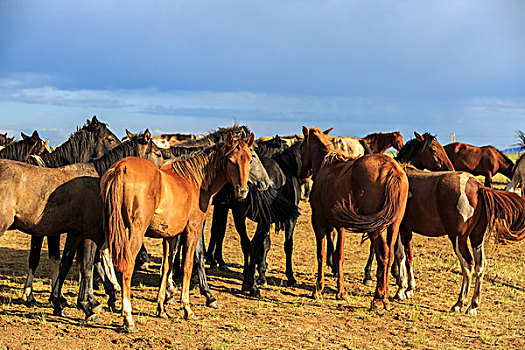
(191, 66)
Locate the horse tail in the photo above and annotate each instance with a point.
(111, 186)
(505, 213)
(346, 214)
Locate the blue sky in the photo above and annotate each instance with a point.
(191, 66)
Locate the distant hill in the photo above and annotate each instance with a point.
(512, 150)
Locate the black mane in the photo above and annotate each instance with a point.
(414, 146)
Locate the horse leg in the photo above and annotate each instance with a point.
(262, 264)
(341, 291)
(320, 237)
(53, 249)
(330, 252)
(465, 259)
(479, 270)
(257, 248)
(190, 242)
(368, 267)
(240, 225)
(201, 272)
(400, 265)
(217, 233)
(383, 252)
(288, 250)
(109, 288)
(167, 261)
(406, 240)
(86, 300)
(34, 259)
(171, 288)
(488, 180)
(177, 271)
(109, 269)
(70, 248)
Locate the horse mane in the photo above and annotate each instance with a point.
(182, 151)
(125, 149)
(289, 159)
(72, 151)
(19, 150)
(332, 155)
(414, 146)
(203, 167)
(270, 147)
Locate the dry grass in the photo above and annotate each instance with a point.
(284, 317)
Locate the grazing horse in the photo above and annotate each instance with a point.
(51, 201)
(367, 195)
(423, 152)
(486, 160)
(142, 200)
(92, 141)
(379, 142)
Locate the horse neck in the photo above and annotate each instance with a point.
(125, 149)
(77, 149)
(505, 166)
(379, 143)
(318, 154)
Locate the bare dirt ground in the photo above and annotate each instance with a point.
(284, 317)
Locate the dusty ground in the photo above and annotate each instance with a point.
(284, 317)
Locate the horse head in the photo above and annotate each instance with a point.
(147, 148)
(238, 159)
(397, 141)
(425, 152)
(258, 177)
(104, 140)
(310, 155)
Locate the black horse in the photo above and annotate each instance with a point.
(277, 205)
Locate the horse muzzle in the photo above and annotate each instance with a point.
(240, 192)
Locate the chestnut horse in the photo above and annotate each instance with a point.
(143, 200)
(379, 142)
(423, 152)
(367, 195)
(486, 160)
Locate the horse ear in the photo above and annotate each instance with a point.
(147, 135)
(419, 137)
(251, 139)
(35, 135)
(305, 131)
(46, 143)
(229, 140)
(326, 132)
(24, 136)
(130, 135)
(94, 120)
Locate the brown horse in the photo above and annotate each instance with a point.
(23, 150)
(50, 201)
(142, 200)
(381, 141)
(486, 160)
(367, 195)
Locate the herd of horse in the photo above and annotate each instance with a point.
(107, 195)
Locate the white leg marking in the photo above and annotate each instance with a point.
(465, 209)
(28, 287)
(109, 269)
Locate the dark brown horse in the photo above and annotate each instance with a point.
(142, 200)
(381, 141)
(23, 150)
(456, 204)
(366, 194)
(486, 160)
(6, 140)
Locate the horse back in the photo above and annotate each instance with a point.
(476, 160)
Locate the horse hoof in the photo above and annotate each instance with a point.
(472, 311)
(341, 296)
(291, 283)
(317, 295)
(98, 309)
(214, 304)
(368, 282)
(130, 329)
(30, 302)
(456, 309)
(224, 268)
(400, 295)
(255, 293)
(164, 315)
(380, 304)
(93, 318)
(192, 317)
(410, 294)
(170, 301)
(60, 313)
